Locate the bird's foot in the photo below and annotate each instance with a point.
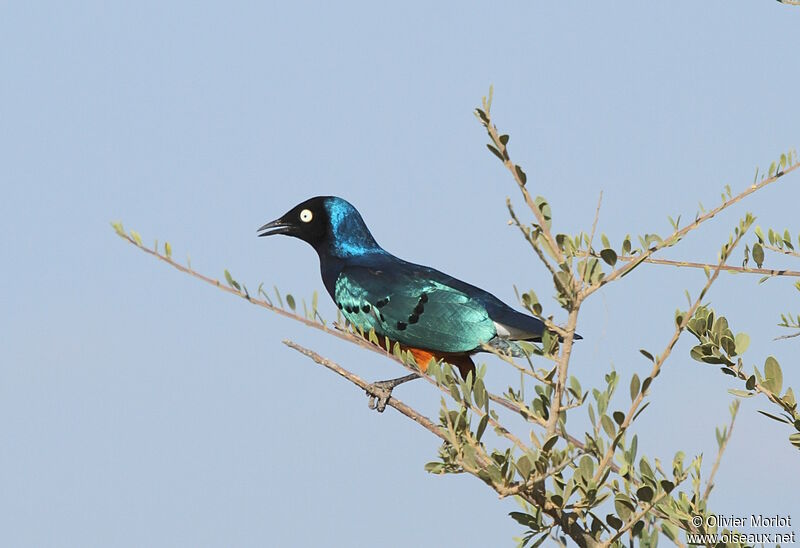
(380, 392)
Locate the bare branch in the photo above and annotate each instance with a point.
(406, 410)
(567, 520)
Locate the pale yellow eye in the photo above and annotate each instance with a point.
(306, 215)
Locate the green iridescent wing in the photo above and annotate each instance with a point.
(413, 310)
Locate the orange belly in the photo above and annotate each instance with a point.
(462, 361)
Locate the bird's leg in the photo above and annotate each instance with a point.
(380, 392)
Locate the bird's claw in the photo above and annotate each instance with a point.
(379, 394)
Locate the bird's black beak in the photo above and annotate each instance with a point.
(278, 226)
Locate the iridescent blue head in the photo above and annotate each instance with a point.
(330, 224)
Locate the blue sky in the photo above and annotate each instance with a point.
(140, 407)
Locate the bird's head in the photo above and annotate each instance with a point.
(330, 224)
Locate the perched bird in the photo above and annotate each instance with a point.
(431, 314)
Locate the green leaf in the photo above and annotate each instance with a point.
(551, 441)
(136, 238)
(619, 417)
(608, 426)
(634, 386)
(728, 345)
(609, 256)
(758, 254)
(623, 506)
(495, 152)
(774, 417)
(278, 295)
(794, 439)
(614, 521)
(645, 493)
(232, 282)
(524, 466)
(290, 302)
(742, 343)
(646, 354)
(118, 228)
(434, 467)
(773, 375)
(586, 467)
(482, 427)
(544, 207)
(575, 387)
(479, 391)
(626, 245)
(740, 393)
(789, 398)
(521, 174)
(751, 382)
(669, 531)
(640, 411)
(524, 519)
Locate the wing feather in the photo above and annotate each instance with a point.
(413, 310)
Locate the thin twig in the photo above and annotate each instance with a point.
(542, 222)
(722, 446)
(560, 516)
(526, 232)
(783, 251)
(658, 362)
(758, 387)
(793, 335)
(673, 238)
(729, 268)
(362, 342)
(563, 365)
(538, 478)
(596, 218)
(638, 515)
(409, 412)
